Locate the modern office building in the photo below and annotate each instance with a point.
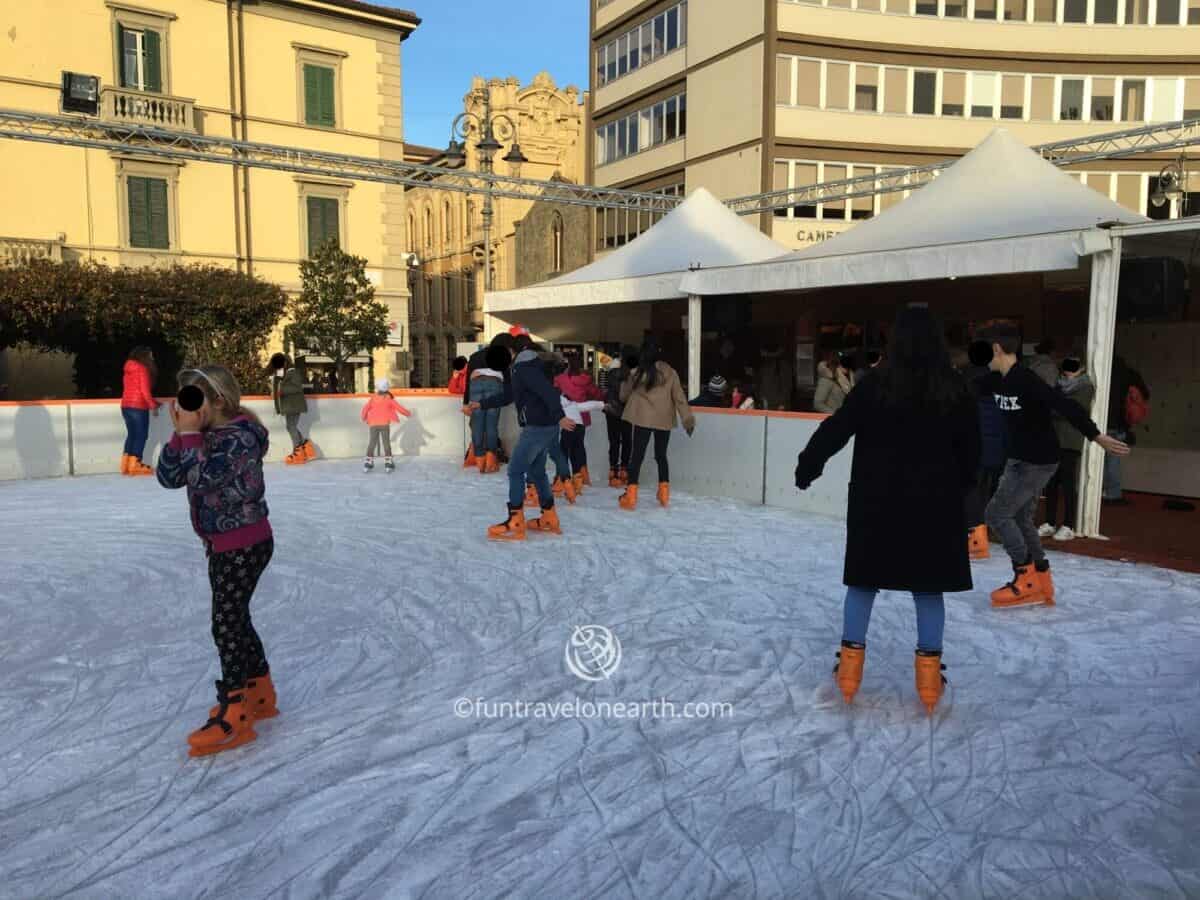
(756, 95)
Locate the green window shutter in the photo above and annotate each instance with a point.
(160, 229)
(322, 222)
(152, 61)
(149, 225)
(139, 212)
(312, 95)
(121, 56)
(328, 113)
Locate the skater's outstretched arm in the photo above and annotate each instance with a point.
(1077, 416)
(831, 436)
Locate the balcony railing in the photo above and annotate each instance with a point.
(154, 110)
(17, 251)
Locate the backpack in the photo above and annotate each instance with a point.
(1137, 409)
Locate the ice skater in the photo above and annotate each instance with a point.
(137, 405)
(620, 432)
(287, 387)
(380, 413)
(916, 451)
(539, 410)
(487, 376)
(217, 454)
(1026, 402)
(654, 401)
(577, 386)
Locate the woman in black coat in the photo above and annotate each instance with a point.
(915, 426)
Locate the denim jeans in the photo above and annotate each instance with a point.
(137, 430)
(1112, 469)
(528, 463)
(1013, 506)
(562, 465)
(931, 617)
(485, 423)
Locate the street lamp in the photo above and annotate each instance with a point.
(1172, 181)
(486, 128)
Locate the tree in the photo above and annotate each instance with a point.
(336, 314)
(189, 315)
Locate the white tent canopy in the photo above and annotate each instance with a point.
(999, 210)
(701, 231)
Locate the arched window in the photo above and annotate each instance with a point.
(556, 242)
(470, 216)
(414, 239)
(448, 224)
(428, 228)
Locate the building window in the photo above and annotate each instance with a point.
(324, 222)
(1133, 101)
(664, 121)
(924, 98)
(1191, 98)
(428, 230)
(149, 213)
(983, 96)
(799, 174)
(556, 243)
(985, 9)
(319, 106)
(319, 85)
(447, 225)
(1137, 12)
(1012, 97)
(1103, 99)
(866, 88)
(141, 58)
(1070, 106)
(1167, 12)
(641, 45)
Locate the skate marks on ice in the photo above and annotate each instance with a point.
(1061, 762)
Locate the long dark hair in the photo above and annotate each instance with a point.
(145, 356)
(917, 375)
(648, 375)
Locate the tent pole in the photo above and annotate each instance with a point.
(1102, 326)
(693, 339)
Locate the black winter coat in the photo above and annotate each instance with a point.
(906, 527)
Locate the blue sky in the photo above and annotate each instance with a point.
(493, 38)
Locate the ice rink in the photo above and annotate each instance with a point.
(1061, 764)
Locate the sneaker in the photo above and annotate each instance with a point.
(368, 465)
(1045, 529)
(1064, 534)
(389, 465)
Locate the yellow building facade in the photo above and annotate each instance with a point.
(319, 74)
(447, 226)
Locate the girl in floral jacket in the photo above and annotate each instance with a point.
(217, 453)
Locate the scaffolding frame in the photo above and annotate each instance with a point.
(174, 146)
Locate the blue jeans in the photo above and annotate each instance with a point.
(1112, 470)
(485, 423)
(528, 463)
(137, 430)
(931, 617)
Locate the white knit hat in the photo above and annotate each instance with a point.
(382, 386)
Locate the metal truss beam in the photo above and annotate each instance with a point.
(183, 147)
(176, 146)
(1113, 145)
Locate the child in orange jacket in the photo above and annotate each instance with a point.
(380, 412)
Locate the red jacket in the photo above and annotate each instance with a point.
(135, 391)
(382, 409)
(578, 388)
(458, 383)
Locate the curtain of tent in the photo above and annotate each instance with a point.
(1102, 326)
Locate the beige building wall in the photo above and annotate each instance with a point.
(75, 200)
(449, 283)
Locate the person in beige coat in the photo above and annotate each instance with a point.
(834, 382)
(654, 401)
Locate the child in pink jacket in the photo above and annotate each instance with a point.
(380, 412)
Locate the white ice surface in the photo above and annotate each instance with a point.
(1061, 764)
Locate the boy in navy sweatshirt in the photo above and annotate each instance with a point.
(1026, 403)
(540, 412)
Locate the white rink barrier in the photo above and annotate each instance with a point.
(745, 456)
(85, 437)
